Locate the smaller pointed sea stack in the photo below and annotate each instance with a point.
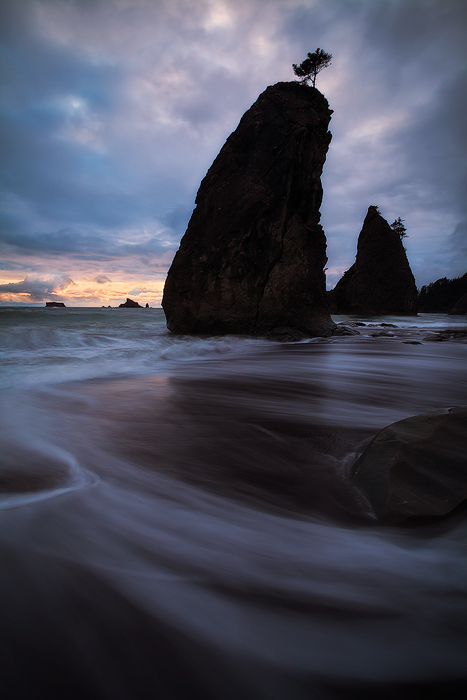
(252, 259)
(380, 281)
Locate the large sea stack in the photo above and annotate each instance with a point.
(252, 259)
(380, 281)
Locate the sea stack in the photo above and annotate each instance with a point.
(252, 259)
(380, 281)
(130, 304)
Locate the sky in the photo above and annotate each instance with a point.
(112, 111)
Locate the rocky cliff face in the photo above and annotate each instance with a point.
(252, 258)
(380, 281)
(443, 296)
(460, 307)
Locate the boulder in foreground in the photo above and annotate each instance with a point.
(380, 281)
(130, 304)
(415, 468)
(252, 259)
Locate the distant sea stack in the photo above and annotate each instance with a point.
(380, 281)
(252, 259)
(52, 304)
(130, 304)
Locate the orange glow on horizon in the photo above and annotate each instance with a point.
(81, 290)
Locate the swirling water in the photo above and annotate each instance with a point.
(176, 521)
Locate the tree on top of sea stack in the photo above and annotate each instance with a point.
(311, 66)
(399, 228)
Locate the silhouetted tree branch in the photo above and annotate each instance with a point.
(311, 66)
(398, 227)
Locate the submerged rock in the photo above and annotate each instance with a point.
(130, 304)
(380, 281)
(447, 334)
(252, 259)
(415, 468)
(346, 330)
(436, 337)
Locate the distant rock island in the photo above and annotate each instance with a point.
(130, 304)
(59, 304)
(252, 259)
(380, 281)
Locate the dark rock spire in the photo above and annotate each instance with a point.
(252, 259)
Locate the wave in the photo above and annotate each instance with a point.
(177, 522)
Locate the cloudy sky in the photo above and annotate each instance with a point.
(113, 110)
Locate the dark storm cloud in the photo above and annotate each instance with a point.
(113, 111)
(37, 289)
(59, 179)
(458, 242)
(138, 290)
(102, 279)
(73, 242)
(427, 47)
(12, 265)
(58, 162)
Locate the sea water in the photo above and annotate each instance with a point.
(176, 519)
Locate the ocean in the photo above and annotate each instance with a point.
(176, 520)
